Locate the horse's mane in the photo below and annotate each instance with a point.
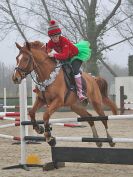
(36, 44)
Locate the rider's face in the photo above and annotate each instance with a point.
(55, 38)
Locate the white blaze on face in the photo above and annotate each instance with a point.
(20, 57)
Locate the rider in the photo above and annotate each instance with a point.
(66, 50)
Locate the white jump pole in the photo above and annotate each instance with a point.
(4, 99)
(23, 117)
(14, 107)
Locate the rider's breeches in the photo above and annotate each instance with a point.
(76, 64)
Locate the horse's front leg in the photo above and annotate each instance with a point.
(54, 105)
(37, 105)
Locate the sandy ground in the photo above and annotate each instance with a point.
(10, 154)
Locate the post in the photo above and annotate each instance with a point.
(4, 99)
(33, 94)
(23, 116)
(121, 99)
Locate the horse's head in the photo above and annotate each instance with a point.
(25, 61)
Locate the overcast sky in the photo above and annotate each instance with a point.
(118, 55)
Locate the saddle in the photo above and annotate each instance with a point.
(70, 81)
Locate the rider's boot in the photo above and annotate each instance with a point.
(80, 93)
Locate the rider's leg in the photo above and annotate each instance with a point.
(76, 64)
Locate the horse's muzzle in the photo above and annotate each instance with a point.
(16, 80)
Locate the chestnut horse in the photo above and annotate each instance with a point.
(52, 89)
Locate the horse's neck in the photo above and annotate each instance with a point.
(44, 66)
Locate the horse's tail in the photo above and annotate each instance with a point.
(103, 86)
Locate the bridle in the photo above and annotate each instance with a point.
(23, 72)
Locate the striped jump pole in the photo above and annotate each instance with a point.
(81, 139)
(83, 119)
(10, 118)
(8, 114)
(70, 125)
(17, 123)
(10, 137)
(60, 124)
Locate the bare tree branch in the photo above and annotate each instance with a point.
(101, 26)
(112, 45)
(119, 22)
(15, 21)
(75, 23)
(29, 10)
(46, 10)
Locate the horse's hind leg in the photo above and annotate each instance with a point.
(108, 102)
(82, 112)
(99, 110)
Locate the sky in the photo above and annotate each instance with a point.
(118, 55)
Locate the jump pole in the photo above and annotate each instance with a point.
(10, 118)
(17, 123)
(8, 114)
(81, 139)
(83, 119)
(10, 137)
(14, 107)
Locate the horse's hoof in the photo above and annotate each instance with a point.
(112, 144)
(84, 102)
(99, 144)
(41, 130)
(51, 141)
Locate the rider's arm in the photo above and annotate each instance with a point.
(64, 54)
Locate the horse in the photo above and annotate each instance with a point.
(52, 89)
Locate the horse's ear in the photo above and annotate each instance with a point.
(18, 46)
(28, 45)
